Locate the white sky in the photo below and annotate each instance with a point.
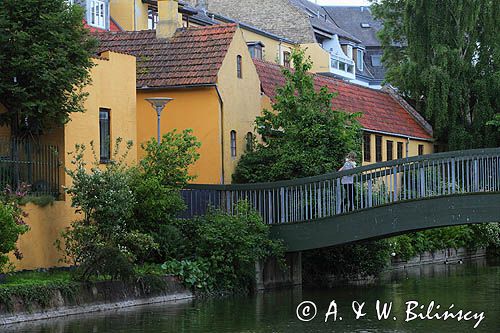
(342, 2)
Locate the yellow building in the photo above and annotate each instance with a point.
(263, 45)
(391, 128)
(111, 94)
(209, 73)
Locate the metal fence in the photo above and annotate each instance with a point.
(31, 163)
(306, 199)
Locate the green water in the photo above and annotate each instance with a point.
(473, 286)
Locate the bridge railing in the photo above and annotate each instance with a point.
(373, 185)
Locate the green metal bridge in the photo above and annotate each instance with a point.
(385, 199)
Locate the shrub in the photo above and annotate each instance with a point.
(102, 243)
(157, 181)
(12, 225)
(195, 274)
(228, 246)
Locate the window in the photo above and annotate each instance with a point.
(255, 50)
(239, 69)
(400, 150)
(104, 135)
(420, 149)
(378, 148)
(152, 19)
(233, 143)
(376, 60)
(367, 138)
(349, 51)
(97, 14)
(365, 25)
(360, 60)
(250, 141)
(286, 59)
(390, 155)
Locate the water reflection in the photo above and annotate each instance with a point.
(472, 285)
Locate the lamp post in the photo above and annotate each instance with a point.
(158, 103)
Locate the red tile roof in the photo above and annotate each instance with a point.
(191, 57)
(112, 27)
(380, 112)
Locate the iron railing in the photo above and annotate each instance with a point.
(306, 199)
(31, 163)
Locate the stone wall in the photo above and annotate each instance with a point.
(277, 16)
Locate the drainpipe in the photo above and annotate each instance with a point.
(135, 16)
(221, 103)
(408, 148)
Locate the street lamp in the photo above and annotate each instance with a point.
(158, 103)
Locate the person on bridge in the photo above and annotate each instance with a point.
(348, 183)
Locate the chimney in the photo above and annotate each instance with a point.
(168, 18)
(202, 4)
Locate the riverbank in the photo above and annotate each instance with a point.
(22, 303)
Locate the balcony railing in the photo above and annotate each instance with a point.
(31, 163)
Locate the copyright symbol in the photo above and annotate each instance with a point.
(306, 311)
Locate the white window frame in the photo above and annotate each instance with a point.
(360, 56)
(349, 51)
(97, 13)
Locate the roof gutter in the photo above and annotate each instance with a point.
(185, 86)
(398, 135)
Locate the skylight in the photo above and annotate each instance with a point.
(365, 25)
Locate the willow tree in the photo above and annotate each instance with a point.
(45, 57)
(444, 56)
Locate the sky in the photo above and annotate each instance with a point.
(342, 2)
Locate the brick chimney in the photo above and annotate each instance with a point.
(168, 18)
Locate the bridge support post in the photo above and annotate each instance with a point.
(269, 274)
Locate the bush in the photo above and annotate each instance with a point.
(349, 261)
(12, 225)
(102, 243)
(467, 236)
(226, 248)
(157, 181)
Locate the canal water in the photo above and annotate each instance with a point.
(472, 286)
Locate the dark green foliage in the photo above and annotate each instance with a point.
(12, 225)
(345, 262)
(302, 135)
(467, 236)
(448, 66)
(157, 182)
(45, 58)
(221, 249)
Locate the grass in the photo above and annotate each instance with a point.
(35, 278)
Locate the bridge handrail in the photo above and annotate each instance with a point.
(352, 172)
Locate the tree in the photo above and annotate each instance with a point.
(444, 57)
(303, 135)
(45, 58)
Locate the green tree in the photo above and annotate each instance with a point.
(45, 58)
(303, 135)
(444, 57)
(157, 181)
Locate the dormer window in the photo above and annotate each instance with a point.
(97, 13)
(255, 49)
(359, 60)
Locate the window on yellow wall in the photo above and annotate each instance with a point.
(420, 149)
(233, 143)
(378, 148)
(104, 135)
(239, 67)
(390, 154)
(287, 59)
(367, 157)
(400, 150)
